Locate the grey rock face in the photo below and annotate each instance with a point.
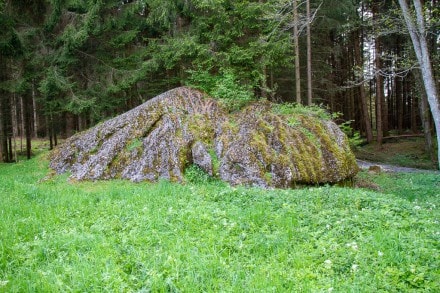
(163, 136)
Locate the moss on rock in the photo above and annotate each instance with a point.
(255, 146)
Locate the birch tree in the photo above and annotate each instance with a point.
(417, 32)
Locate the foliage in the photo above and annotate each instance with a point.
(10, 43)
(318, 111)
(196, 175)
(121, 236)
(225, 87)
(90, 60)
(354, 137)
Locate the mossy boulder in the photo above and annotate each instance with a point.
(163, 136)
(269, 149)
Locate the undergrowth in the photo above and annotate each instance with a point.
(58, 236)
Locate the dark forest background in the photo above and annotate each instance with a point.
(66, 65)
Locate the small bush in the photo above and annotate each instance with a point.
(196, 175)
(293, 108)
(354, 137)
(225, 87)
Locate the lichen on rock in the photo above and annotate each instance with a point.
(163, 136)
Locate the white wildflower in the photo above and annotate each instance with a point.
(328, 264)
(380, 253)
(354, 267)
(353, 245)
(4, 283)
(417, 207)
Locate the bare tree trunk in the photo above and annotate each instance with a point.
(264, 83)
(14, 125)
(54, 132)
(417, 33)
(49, 132)
(70, 124)
(3, 136)
(379, 96)
(399, 103)
(385, 114)
(366, 121)
(414, 104)
(22, 126)
(309, 56)
(11, 154)
(379, 80)
(34, 105)
(27, 126)
(296, 45)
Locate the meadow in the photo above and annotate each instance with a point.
(205, 236)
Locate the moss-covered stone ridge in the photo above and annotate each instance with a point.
(274, 150)
(152, 141)
(160, 138)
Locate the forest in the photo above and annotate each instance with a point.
(66, 65)
(114, 71)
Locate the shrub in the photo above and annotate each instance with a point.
(225, 87)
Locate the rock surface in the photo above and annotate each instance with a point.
(163, 136)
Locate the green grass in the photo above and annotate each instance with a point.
(117, 236)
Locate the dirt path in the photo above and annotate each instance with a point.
(390, 168)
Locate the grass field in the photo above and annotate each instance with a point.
(117, 236)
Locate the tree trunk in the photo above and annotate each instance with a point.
(417, 34)
(11, 152)
(2, 137)
(49, 132)
(379, 96)
(309, 56)
(21, 123)
(70, 124)
(399, 103)
(426, 124)
(366, 121)
(27, 126)
(34, 106)
(385, 114)
(296, 45)
(414, 110)
(14, 125)
(379, 78)
(264, 93)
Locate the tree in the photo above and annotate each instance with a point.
(358, 52)
(309, 54)
(296, 46)
(417, 31)
(378, 76)
(10, 48)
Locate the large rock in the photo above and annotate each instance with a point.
(163, 136)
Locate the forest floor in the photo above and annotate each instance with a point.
(397, 155)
